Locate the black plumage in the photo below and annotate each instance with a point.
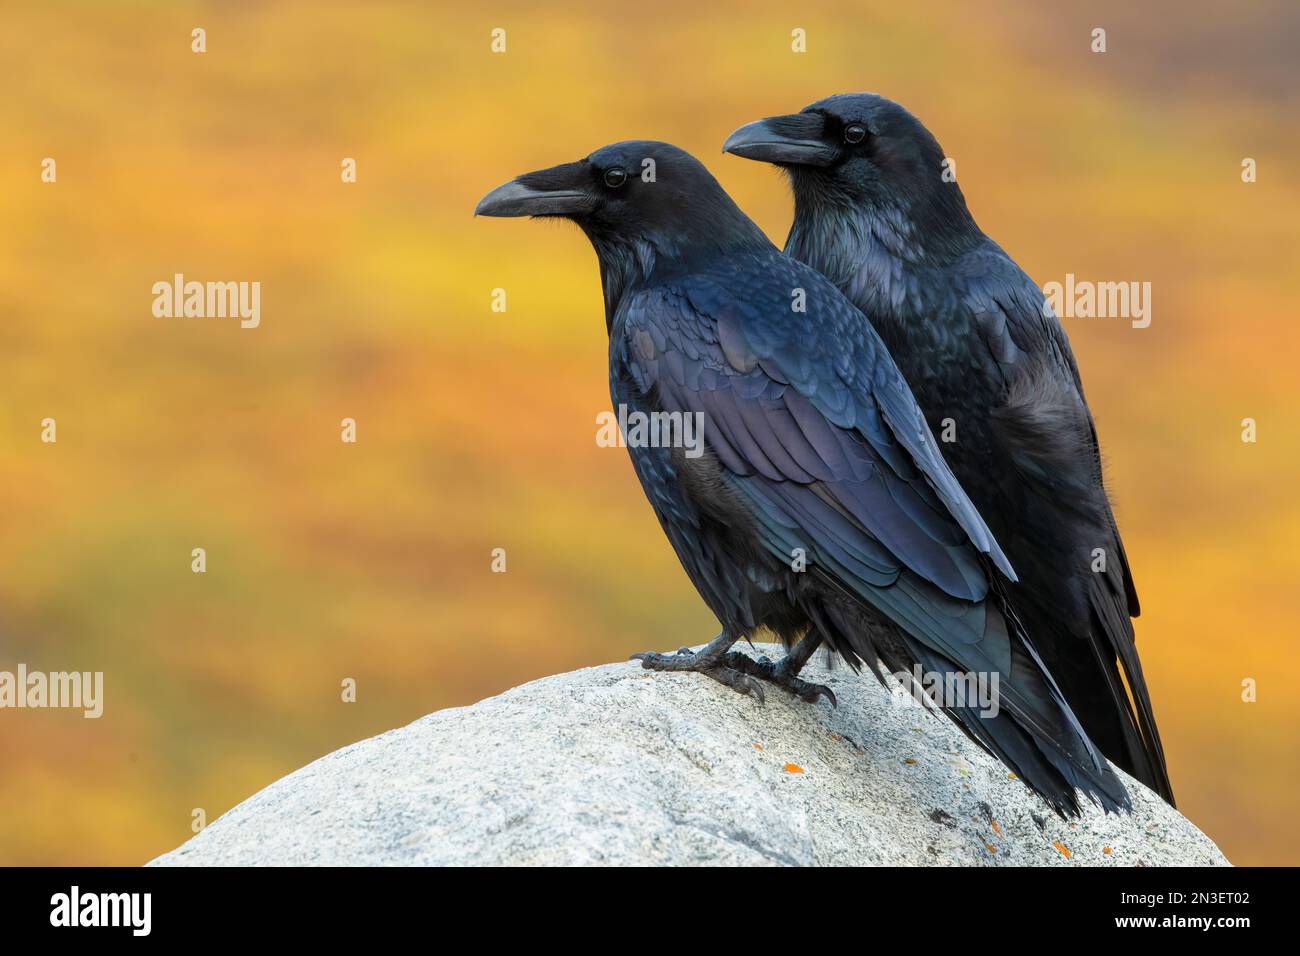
(813, 442)
(878, 212)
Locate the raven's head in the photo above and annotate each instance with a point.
(859, 150)
(633, 193)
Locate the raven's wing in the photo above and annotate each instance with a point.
(1030, 351)
(819, 437)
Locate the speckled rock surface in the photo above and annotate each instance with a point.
(616, 765)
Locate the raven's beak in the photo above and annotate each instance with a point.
(547, 192)
(794, 140)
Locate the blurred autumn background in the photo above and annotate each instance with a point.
(476, 429)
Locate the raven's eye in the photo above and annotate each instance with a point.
(615, 177)
(854, 134)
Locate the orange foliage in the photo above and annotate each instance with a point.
(476, 429)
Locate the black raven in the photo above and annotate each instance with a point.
(819, 504)
(877, 214)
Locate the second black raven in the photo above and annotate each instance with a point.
(878, 212)
(820, 505)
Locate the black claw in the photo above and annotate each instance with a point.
(815, 692)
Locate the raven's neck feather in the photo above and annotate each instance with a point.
(623, 265)
(841, 234)
(629, 263)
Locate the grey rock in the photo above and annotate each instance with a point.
(617, 765)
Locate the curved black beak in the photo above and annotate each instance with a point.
(794, 140)
(558, 191)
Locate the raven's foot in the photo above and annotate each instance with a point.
(783, 675)
(741, 672)
(717, 666)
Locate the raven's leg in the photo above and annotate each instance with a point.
(712, 660)
(785, 672)
(737, 670)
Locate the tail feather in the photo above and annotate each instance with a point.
(1145, 752)
(1034, 732)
